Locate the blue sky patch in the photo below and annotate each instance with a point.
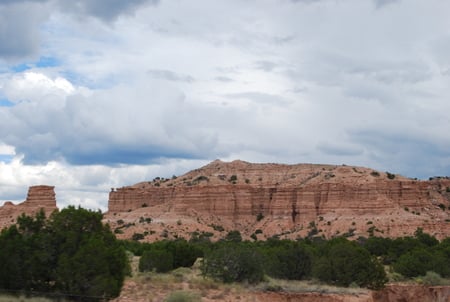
(6, 103)
(21, 67)
(43, 62)
(47, 62)
(6, 158)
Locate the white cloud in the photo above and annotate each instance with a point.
(7, 150)
(34, 86)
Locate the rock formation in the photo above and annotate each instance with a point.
(39, 197)
(288, 201)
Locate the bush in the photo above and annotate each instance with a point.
(290, 261)
(259, 217)
(414, 263)
(390, 175)
(233, 178)
(233, 263)
(137, 236)
(234, 236)
(375, 173)
(159, 260)
(433, 279)
(345, 263)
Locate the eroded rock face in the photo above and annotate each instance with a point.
(39, 197)
(409, 292)
(288, 201)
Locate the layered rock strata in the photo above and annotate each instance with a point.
(293, 200)
(39, 197)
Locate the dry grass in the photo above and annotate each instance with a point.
(11, 298)
(187, 284)
(182, 296)
(306, 286)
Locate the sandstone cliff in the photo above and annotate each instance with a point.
(288, 201)
(39, 197)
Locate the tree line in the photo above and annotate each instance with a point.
(72, 254)
(337, 261)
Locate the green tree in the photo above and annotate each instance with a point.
(160, 260)
(12, 256)
(91, 262)
(344, 262)
(414, 263)
(288, 260)
(234, 236)
(233, 262)
(72, 253)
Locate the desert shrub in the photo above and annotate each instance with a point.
(425, 238)
(234, 236)
(343, 263)
(154, 259)
(414, 263)
(390, 175)
(231, 262)
(137, 236)
(288, 260)
(184, 254)
(259, 217)
(218, 228)
(201, 178)
(433, 279)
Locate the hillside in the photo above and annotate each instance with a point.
(287, 201)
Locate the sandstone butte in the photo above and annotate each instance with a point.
(287, 201)
(39, 197)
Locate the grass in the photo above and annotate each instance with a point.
(304, 286)
(21, 298)
(182, 296)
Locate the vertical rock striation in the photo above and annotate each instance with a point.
(295, 200)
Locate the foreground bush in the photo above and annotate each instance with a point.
(345, 263)
(233, 263)
(71, 254)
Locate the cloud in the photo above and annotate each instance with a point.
(32, 86)
(24, 34)
(405, 152)
(259, 98)
(20, 36)
(381, 3)
(123, 125)
(104, 10)
(170, 75)
(334, 148)
(223, 79)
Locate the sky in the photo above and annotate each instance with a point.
(96, 94)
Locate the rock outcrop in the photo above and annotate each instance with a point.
(39, 197)
(288, 201)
